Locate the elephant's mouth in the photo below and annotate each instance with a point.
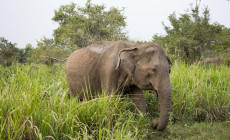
(145, 87)
(153, 91)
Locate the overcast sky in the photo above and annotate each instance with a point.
(27, 21)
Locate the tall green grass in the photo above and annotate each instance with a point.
(200, 92)
(35, 104)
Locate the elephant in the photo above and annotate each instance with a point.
(112, 66)
(212, 60)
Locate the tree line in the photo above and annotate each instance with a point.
(190, 36)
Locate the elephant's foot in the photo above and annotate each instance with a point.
(155, 123)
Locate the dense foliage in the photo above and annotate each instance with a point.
(8, 52)
(81, 26)
(192, 36)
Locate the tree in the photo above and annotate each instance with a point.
(221, 45)
(190, 36)
(8, 52)
(47, 51)
(81, 26)
(23, 54)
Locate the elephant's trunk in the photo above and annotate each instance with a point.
(165, 99)
(164, 95)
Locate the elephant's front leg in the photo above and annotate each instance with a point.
(138, 97)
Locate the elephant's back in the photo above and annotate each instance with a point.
(85, 58)
(80, 57)
(100, 47)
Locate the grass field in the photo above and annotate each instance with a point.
(35, 104)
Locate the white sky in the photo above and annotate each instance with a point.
(27, 21)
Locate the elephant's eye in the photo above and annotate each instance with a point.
(154, 69)
(148, 75)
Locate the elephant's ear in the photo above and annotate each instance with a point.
(170, 63)
(119, 55)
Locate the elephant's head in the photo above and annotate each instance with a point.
(148, 68)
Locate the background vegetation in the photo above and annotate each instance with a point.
(192, 36)
(34, 99)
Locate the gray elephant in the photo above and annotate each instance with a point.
(115, 66)
(212, 60)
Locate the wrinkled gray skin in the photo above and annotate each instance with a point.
(212, 60)
(116, 66)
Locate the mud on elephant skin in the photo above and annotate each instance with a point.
(115, 66)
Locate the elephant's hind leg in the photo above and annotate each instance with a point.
(138, 97)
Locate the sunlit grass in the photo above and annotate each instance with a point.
(36, 104)
(201, 92)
